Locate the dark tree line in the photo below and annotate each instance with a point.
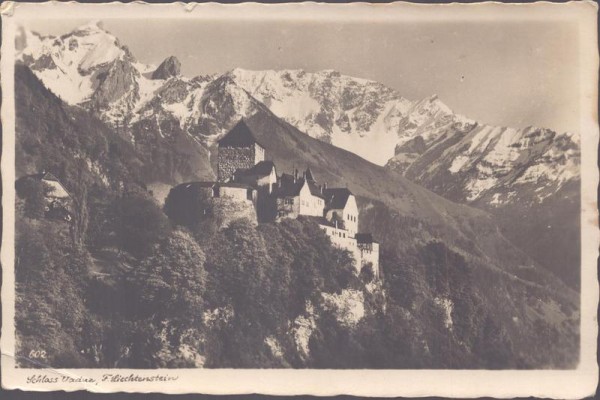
(140, 291)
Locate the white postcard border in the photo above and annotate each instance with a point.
(576, 383)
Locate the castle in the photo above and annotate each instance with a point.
(247, 179)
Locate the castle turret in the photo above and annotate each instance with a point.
(238, 149)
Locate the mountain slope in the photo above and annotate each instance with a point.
(402, 215)
(529, 175)
(510, 172)
(177, 120)
(48, 129)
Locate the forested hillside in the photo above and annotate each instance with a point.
(133, 289)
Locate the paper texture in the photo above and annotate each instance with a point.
(362, 199)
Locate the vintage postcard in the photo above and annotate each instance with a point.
(364, 199)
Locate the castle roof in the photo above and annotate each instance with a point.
(314, 189)
(308, 174)
(290, 187)
(337, 197)
(240, 136)
(364, 238)
(263, 168)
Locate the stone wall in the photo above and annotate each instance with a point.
(369, 253)
(227, 209)
(232, 158)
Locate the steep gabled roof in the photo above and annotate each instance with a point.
(336, 197)
(309, 175)
(263, 168)
(54, 185)
(289, 188)
(314, 189)
(49, 177)
(240, 136)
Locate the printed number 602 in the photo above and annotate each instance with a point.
(37, 354)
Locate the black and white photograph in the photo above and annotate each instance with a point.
(297, 193)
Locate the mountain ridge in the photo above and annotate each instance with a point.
(359, 115)
(505, 171)
(421, 228)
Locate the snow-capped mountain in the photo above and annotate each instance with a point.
(359, 115)
(491, 165)
(355, 114)
(88, 67)
(446, 152)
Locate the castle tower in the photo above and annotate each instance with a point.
(238, 149)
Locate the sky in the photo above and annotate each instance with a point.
(499, 73)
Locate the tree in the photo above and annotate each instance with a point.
(80, 206)
(170, 283)
(240, 269)
(33, 192)
(166, 293)
(139, 224)
(49, 316)
(366, 273)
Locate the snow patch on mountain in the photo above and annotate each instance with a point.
(68, 64)
(101, 49)
(351, 113)
(493, 163)
(424, 139)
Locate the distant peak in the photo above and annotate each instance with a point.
(238, 70)
(331, 72)
(92, 26)
(170, 67)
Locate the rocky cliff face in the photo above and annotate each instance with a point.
(169, 68)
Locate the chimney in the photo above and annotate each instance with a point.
(295, 174)
(325, 186)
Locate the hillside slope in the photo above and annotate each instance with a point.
(405, 217)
